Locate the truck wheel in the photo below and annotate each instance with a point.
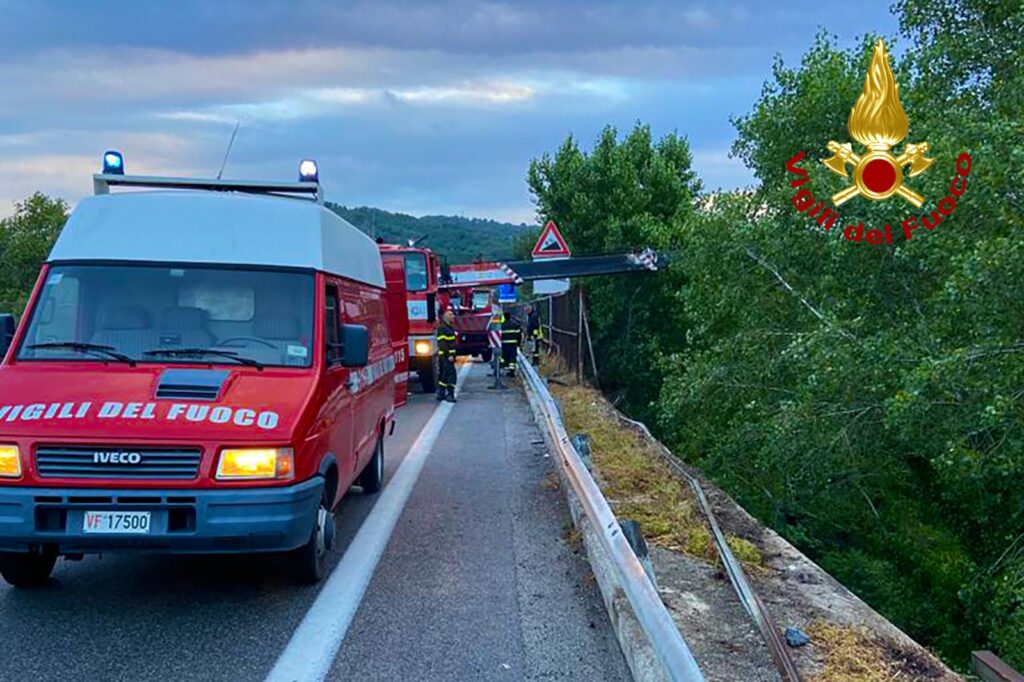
(428, 380)
(372, 478)
(486, 355)
(309, 562)
(27, 570)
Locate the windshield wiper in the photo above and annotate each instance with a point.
(97, 349)
(193, 352)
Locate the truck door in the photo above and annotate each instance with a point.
(338, 408)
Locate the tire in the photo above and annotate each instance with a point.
(428, 378)
(309, 563)
(486, 355)
(372, 478)
(27, 570)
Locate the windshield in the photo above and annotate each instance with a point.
(170, 314)
(481, 300)
(415, 272)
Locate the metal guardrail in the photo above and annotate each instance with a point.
(665, 638)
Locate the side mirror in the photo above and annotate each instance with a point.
(431, 307)
(356, 345)
(7, 328)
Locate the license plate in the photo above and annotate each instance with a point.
(115, 522)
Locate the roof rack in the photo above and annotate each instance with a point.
(102, 182)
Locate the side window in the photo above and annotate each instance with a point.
(332, 326)
(57, 317)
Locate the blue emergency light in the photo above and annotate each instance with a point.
(113, 163)
(308, 171)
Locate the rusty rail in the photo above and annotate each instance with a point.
(751, 602)
(990, 668)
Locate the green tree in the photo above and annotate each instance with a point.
(623, 195)
(25, 242)
(866, 401)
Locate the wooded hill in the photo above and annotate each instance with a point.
(459, 239)
(27, 237)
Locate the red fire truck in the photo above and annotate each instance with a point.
(470, 288)
(472, 306)
(204, 368)
(421, 269)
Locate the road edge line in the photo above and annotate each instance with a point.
(313, 646)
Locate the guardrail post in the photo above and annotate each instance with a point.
(631, 529)
(581, 442)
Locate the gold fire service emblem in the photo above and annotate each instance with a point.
(878, 122)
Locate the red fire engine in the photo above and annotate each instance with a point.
(421, 269)
(205, 368)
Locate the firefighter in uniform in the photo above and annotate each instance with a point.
(533, 332)
(511, 337)
(446, 357)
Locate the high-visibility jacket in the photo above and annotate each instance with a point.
(511, 337)
(511, 333)
(533, 325)
(445, 341)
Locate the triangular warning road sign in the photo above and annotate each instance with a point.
(551, 244)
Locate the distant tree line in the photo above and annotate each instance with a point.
(461, 240)
(27, 236)
(865, 401)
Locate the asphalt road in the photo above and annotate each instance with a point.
(476, 583)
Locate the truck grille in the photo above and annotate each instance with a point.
(98, 461)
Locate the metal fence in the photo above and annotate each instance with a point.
(567, 332)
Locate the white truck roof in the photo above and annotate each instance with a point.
(218, 228)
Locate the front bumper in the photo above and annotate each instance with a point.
(421, 363)
(181, 521)
(472, 343)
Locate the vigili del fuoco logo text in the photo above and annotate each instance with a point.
(879, 123)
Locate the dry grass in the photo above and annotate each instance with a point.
(851, 655)
(637, 483)
(573, 538)
(634, 478)
(551, 481)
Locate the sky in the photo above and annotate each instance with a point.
(419, 107)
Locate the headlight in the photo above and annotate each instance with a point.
(423, 348)
(256, 463)
(10, 461)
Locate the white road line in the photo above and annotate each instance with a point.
(311, 650)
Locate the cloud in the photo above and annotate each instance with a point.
(469, 93)
(453, 26)
(69, 175)
(322, 102)
(421, 107)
